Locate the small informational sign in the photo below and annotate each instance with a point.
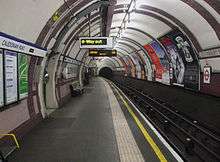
(23, 64)
(102, 53)
(171, 73)
(207, 74)
(1, 80)
(120, 69)
(11, 89)
(70, 60)
(56, 16)
(96, 42)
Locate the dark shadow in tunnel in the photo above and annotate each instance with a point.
(106, 72)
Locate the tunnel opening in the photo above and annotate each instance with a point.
(106, 72)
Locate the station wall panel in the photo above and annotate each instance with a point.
(211, 59)
(14, 116)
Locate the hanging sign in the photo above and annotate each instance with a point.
(207, 74)
(102, 53)
(96, 42)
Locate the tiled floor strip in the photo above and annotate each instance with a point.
(128, 149)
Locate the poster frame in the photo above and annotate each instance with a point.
(187, 83)
(14, 44)
(22, 96)
(3, 80)
(4, 77)
(19, 99)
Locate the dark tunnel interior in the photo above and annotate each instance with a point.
(106, 72)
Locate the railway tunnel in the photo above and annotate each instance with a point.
(106, 72)
(110, 80)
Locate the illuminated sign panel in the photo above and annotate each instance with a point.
(96, 42)
(93, 41)
(102, 53)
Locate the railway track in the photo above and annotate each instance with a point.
(193, 141)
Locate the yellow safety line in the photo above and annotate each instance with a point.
(14, 137)
(143, 130)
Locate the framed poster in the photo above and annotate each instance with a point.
(163, 61)
(1, 79)
(176, 62)
(23, 63)
(11, 86)
(183, 58)
(156, 61)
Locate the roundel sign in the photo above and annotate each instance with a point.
(207, 74)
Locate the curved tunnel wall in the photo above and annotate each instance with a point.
(20, 117)
(178, 63)
(178, 50)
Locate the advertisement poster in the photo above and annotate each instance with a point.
(137, 65)
(146, 66)
(23, 64)
(132, 65)
(177, 63)
(11, 90)
(156, 61)
(126, 59)
(163, 60)
(183, 60)
(1, 80)
(124, 64)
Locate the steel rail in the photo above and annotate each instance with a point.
(143, 96)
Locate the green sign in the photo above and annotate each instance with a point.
(93, 41)
(96, 42)
(23, 64)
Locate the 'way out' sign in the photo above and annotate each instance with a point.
(96, 42)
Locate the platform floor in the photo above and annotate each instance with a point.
(91, 127)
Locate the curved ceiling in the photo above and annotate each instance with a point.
(134, 22)
(158, 17)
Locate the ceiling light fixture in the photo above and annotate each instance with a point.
(126, 19)
(132, 6)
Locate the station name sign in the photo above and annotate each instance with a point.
(10, 44)
(102, 53)
(18, 45)
(96, 42)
